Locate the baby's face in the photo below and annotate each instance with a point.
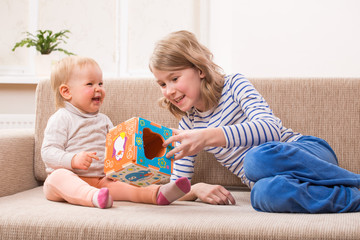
(86, 88)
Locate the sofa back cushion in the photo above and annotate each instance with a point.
(326, 108)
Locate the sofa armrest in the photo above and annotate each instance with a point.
(16, 160)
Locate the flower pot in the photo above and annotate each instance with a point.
(44, 63)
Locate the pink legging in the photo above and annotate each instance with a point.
(64, 185)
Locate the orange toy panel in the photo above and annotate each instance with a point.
(120, 145)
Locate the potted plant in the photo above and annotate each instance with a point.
(45, 43)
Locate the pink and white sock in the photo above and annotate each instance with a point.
(102, 198)
(172, 191)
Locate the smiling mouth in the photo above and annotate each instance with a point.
(97, 99)
(177, 100)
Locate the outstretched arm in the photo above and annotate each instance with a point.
(193, 141)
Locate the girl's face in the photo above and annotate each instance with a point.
(86, 88)
(181, 87)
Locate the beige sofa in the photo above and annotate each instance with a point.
(328, 108)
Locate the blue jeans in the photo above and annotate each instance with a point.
(301, 177)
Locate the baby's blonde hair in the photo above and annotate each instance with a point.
(61, 73)
(180, 50)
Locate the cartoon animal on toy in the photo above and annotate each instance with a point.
(138, 175)
(119, 146)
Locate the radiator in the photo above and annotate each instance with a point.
(8, 121)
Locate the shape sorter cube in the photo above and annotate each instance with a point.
(135, 155)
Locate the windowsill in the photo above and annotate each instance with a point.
(33, 79)
(20, 79)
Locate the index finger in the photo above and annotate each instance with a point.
(171, 139)
(93, 155)
(175, 131)
(228, 195)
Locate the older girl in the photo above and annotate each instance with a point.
(226, 116)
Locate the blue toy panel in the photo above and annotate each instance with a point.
(163, 163)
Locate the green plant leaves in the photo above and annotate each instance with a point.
(45, 41)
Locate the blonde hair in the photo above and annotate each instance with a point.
(180, 50)
(61, 73)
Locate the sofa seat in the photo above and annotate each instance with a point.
(39, 218)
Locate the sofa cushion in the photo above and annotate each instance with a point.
(28, 215)
(16, 160)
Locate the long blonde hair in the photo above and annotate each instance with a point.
(180, 50)
(61, 73)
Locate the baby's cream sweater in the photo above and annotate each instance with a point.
(68, 132)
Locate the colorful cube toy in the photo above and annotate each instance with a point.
(135, 155)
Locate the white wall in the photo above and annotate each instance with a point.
(257, 37)
(14, 19)
(260, 38)
(282, 38)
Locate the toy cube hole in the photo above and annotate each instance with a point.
(153, 144)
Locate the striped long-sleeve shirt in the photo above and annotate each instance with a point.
(246, 120)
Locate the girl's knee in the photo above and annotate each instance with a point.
(261, 195)
(269, 194)
(259, 158)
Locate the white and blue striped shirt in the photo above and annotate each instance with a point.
(247, 121)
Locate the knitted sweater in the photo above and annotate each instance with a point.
(68, 132)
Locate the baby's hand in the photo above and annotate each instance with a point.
(83, 160)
